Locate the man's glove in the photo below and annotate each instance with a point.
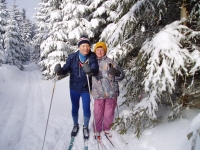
(86, 68)
(114, 72)
(57, 68)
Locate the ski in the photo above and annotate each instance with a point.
(85, 144)
(101, 144)
(71, 143)
(109, 140)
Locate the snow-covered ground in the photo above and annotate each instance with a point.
(24, 105)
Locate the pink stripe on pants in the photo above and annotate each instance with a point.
(104, 110)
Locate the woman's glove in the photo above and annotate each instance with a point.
(114, 72)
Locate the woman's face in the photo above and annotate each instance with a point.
(84, 48)
(100, 52)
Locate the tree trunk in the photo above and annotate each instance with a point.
(185, 12)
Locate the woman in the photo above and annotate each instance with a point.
(105, 90)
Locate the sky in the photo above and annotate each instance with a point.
(25, 99)
(29, 6)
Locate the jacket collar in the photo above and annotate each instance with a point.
(102, 58)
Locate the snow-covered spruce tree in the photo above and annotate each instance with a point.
(160, 62)
(19, 18)
(68, 23)
(102, 13)
(76, 21)
(136, 21)
(54, 48)
(34, 49)
(42, 28)
(14, 46)
(26, 35)
(3, 19)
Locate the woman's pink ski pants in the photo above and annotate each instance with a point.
(104, 110)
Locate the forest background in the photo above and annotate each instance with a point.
(155, 41)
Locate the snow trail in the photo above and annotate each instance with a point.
(22, 111)
(24, 103)
(16, 113)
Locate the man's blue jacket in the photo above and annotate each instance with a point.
(78, 79)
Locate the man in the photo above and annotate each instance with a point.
(79, 64)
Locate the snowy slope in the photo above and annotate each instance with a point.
(24, 103)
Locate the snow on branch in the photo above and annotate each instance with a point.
(194, 131)
(166, 59)
(125, 23)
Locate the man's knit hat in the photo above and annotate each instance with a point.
(100, 44)
(83, 39)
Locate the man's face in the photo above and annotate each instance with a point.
(84, 48)
(100, 52)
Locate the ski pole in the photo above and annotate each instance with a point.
(49, 113)
(93, 105)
